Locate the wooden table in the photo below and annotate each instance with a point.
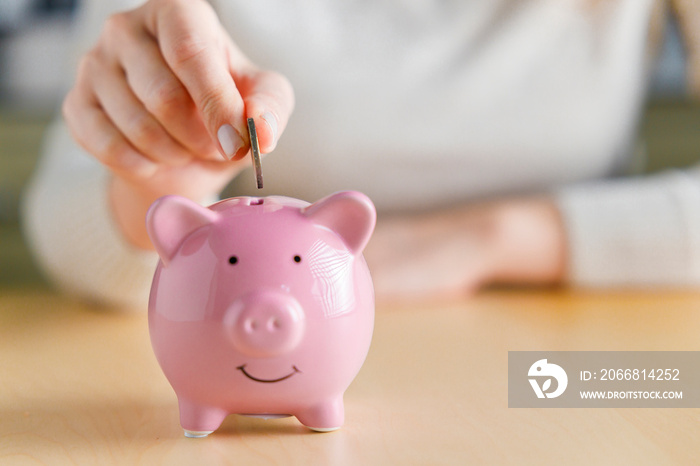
(80, 385)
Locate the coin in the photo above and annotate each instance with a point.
(255, 152)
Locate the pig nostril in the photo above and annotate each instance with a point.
(274, 324)
(265, 324)
(250, 325)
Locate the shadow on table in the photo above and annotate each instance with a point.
(131, 432)
(82, 386)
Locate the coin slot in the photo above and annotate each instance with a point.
(257, 202)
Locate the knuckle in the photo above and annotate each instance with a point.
(111, 151)
(283, 83)
(67, 107)
(187, 47)
(144, 131)
(118, 28)
(203, 146)
(285, 89)
(83, 67)
(71, 109)
(115, 24)
(183, 7)
(288, 89)
(210, 100)
(167, 97)
(89, 63)
(201, 4)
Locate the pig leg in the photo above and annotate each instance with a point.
(199, 421)
(324, 417)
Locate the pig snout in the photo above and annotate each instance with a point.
(265, 323)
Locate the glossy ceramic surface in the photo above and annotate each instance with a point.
(261, 306)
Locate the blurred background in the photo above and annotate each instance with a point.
(34, 50)
(34, 46)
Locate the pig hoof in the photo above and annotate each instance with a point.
(323, 429)
(197, 433)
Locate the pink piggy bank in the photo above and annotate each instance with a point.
(261, 306)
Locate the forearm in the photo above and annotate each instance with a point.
(454, 252)
(530, 245)
(129, 205)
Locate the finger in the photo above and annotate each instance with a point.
(93, 130)
(269, 100)
(129, 115)
(162, 93)
(193, 45)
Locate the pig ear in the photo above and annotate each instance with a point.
(171, 219)
(350, 214)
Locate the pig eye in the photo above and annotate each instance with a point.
(233, 260)
(297, 259)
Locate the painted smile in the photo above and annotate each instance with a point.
(242, 369)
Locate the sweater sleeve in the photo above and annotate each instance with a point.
(65, 213)
(634, 232)
(68, 223)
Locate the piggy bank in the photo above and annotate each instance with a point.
(261, 306)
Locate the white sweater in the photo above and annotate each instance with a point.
(422, 104)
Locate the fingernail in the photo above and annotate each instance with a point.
(272, 123)
(230, 140)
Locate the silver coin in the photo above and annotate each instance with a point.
(255, 152)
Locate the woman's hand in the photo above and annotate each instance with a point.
(453, 253)
(162, 101)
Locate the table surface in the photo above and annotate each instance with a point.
(80, 385)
